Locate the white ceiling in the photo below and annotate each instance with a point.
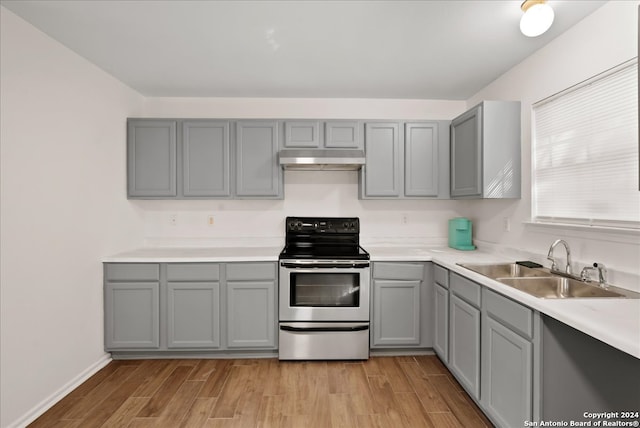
(315, 49)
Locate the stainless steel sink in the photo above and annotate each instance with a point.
(557, 287)
(540, 282)
(506, 270)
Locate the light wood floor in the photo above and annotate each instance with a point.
(381, 392)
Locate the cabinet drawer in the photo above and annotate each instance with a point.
(465, 289)
(251, 271)
(441, 276)
(193, 272)
(409, 271)
(132, 271)
(514, 315)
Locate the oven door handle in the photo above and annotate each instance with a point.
(323, 329)
(321, 265)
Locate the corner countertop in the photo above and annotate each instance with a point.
(611, 320)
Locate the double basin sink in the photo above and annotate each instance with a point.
(539, 282)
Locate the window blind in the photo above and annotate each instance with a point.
(585, 143)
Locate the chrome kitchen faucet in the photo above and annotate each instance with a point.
(554, 267)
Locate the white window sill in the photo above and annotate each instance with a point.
(602, 233)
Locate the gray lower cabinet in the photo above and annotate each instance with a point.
(193, 315)
(441, 319)
(132, 306)
(508, 337)
(401, 315)
(406, 160)
(179, 307)
(441, 312)
(485, 151)
(251, 305)
(493, 347)
(193, 305)
(464, 332)
(203, 159)
(464, 336)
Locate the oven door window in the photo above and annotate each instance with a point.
(325, 289)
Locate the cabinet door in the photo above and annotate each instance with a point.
(205, 158)
(464, 339)
(441, 313)
(382, 168)
(507, 374)
(251, 314)
(342, 134)
(151, 158)
(466, 154)
(257, 171)
(396, 313)
(302, 133)
(132, 319)
(193, 314)
(421, 159)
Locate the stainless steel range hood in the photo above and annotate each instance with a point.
(321, 159)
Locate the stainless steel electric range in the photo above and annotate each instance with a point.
(324, 290)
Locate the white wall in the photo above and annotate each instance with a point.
(63, 208)
(603, 40)
(306, 192)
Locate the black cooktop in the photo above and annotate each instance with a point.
(323, 238)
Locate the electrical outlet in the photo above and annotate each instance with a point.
(506, 224)
(210, 221)
(404, 219)
(173, 219)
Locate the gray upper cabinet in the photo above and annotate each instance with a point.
(485, 151)
(315, 134)
(381, 173)
(343, 134)
(152, 158)
(302, 133)
(406, 160)
(203, 159)
(206, 158)
(421, 159)
(258, 174)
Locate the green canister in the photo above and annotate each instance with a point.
(460, 234)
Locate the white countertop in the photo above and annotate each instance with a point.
(613, 321)
(196, 255)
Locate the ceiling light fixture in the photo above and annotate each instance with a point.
(537, 18)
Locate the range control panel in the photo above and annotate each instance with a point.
(323, 225)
